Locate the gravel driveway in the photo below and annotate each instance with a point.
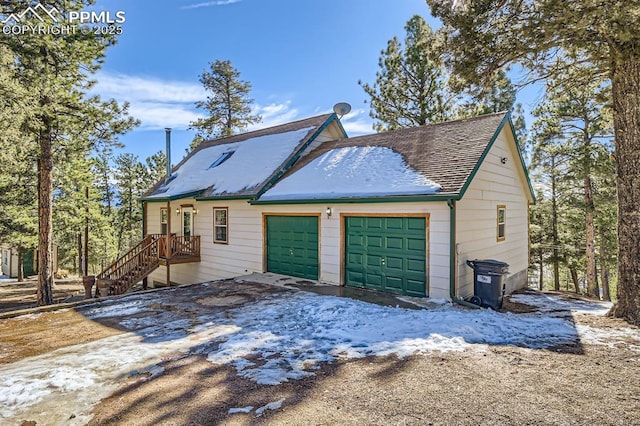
(244, 352)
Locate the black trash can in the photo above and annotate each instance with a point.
(488, 282)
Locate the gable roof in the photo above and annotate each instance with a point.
(239, 166)
(445, 154)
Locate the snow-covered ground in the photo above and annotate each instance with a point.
(281, 337)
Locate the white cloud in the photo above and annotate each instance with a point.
(158, 115)
(210, 4)
(161, 103)
(145, 88)
(274, 114)
(156, 103)
(356, 123)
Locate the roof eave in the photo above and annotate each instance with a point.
(356, 200)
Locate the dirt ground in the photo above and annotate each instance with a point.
(22, 295)
(575, 385)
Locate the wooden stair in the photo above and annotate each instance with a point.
(136, 264)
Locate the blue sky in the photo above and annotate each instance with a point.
(301, 58)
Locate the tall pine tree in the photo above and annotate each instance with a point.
(487, 35)
(411, 85)
(56, 69)
(228, 105)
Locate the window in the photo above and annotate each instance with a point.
(502, 222)
(220, 225)
(223, 157)
(163, 221)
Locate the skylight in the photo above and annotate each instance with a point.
(223, 157)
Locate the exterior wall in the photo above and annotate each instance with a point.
(476, 217)
(9, 262)
(245, 252)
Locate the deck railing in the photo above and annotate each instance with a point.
(143, 259)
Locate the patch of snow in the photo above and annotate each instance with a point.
(113, 308)
(79, 376)
(548, 303)
(610, 337)
(282, 337)
(247, 409)
(270, 406)
(366, 171)
(252, 162)
(292, 333)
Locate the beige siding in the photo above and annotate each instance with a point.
(244, 253)
(494, 184)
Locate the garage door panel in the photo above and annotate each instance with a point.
(386, 253)
(373, 280)
(414, 223)
(374, 241)
(396, 263)
(394, 284)
(395, 243)
(416, 265)
(395, 223)
(415, 244)
(415, 288)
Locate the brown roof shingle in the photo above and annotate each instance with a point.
(445, 153)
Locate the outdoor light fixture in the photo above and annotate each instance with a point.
(178, 211)
(195, 211)
(329, 212)
(503, 160)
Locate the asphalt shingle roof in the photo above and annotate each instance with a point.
(205, 189)
(445, 153)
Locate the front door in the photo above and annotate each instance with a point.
(187, 221)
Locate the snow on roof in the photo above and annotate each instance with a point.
(356, 171)
(252, 162)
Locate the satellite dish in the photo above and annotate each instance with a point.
(341, 108)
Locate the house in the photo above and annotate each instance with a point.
(10, 261)
(399, 211)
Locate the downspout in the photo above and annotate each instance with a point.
(453, 261)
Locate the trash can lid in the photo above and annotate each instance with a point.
(491, 262)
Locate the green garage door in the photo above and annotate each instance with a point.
(292, 246)
(386, 254)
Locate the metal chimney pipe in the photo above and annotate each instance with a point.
(167, 131)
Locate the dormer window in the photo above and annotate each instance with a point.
(223, 157)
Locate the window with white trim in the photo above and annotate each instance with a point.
(501, 229)
(221, 225)
(164, 213)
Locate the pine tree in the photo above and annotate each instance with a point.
(411, 85)
(56, 68)
(487, 35)
(578, 116)
(228, 105)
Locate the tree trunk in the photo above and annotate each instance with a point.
(541, 278)
(79, 271)
(554, 230)
(85, 266)
(592, 276)
(574, 279)
(45, 217)
(625, 83)
(20, 266)
(604, 278)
